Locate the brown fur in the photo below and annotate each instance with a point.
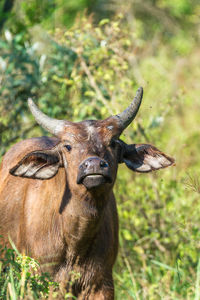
(59, 222)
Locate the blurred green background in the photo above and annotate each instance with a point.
(85, 59)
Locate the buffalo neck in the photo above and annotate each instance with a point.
(83, 217)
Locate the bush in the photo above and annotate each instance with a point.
(20, 277)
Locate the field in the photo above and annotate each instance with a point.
(91, 68)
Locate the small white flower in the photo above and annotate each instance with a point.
(3, 64)
(42, 61)
(8, 35)
(36, 46)
(159, 120)
(44, 79)
(103, 43)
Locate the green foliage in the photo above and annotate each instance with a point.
(20, 77)
(49, 14)
(75, 69)
(161, 17)
(91, 71)
(20, 277)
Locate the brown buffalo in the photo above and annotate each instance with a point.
(56, 196)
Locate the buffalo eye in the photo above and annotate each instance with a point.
(68, 147)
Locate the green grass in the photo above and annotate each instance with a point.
(20, 278)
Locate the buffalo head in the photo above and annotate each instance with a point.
(90, 151)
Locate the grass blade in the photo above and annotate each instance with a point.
(197, 290)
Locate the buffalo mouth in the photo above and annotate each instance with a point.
(94, 180)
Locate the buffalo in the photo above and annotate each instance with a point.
(56, 196)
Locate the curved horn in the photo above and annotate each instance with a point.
(52, 125)
(128, 115)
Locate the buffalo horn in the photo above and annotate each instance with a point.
(51, 125)
(128, 115)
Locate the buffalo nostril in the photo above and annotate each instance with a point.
(103, 164)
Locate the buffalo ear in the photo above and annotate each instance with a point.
(145, 158)
(42, 164)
